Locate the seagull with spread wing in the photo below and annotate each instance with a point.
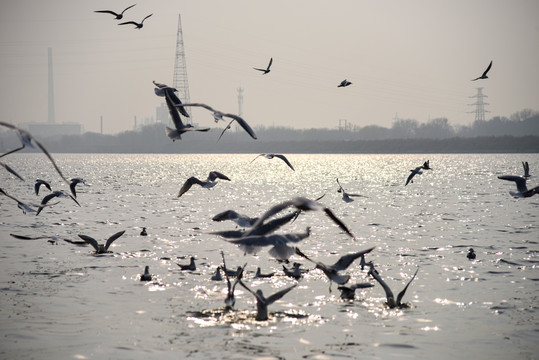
(271, 156)
(266, 70)
(101, 248)
(210, 182)
(390, 298)
(138, 26)
(484, 75)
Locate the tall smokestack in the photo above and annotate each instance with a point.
(51, 90)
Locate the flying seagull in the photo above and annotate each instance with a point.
(9, 169)
(51, 239)
(304, 204)
(28, 140)
(526, 169)
(263, 302)
(163, 90)
(240, 220)
(346, 196)
(218, 115)
(176, 134)
(417, 171)
(39, 183)
(25, 207)
(271, 156)
(117, 16)
(58, 193)
(262, 229)
(344, 83)
(210, 182)
(266, 70)
(74, 183)
(138, 26)
(332, 271)
(280, 249)
(523, 191)
(390, 299)
(101, 248)
(484, 76)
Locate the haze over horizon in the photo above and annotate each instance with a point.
(414, 59)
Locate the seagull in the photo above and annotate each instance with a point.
(526, 169)
(25, 207)
(209, 183)
(263, 229)
(54, 194)
(51, 239)
(218, 115)
(118, 16)
(345, 195)
(191, 266)
(332, 271)
(471, 254)
(417, 170)
(217, 276)
(484, 76)
(138, 26)
(39, 183)
(180, 127)
(74, 183)
(146, 276)
(262, 302)
(230, 300)
(101, 248)
(349, 292)
(304, 204)
(295, 272)
(8, 168)
(271, 156)
(389, 294)
(266, 70)
(280, 249)
(241, 220)
(143, 232)
(28, 140)
(523, 191)
(259, 274)
(344, 83)
(164, 90)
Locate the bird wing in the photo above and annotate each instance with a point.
(300, 253)
(226, 215)
(216, 174)
(173, 111)
(91, 241)
(401, 294)
(259, 69)
(269, 65)
(225, 129)
(108, 12)
(520, 182)
(176, 101)
(412, 174)
(129, 22)
(345, 261)
(207, 107)
(23, 237)
(112, 238)
(243, 124)
(146, 18)
(488, 68)
(272, 225)
(338, 221)
(8, 168)
(274, 297)
(48, 197)
(389, 294)
(188, 183)
(127, 8)
(282, 157)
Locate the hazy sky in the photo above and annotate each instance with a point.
(415, 58)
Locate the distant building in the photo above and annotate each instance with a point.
(47, 129)
(161, 114)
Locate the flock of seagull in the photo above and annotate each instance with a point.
(254, 233)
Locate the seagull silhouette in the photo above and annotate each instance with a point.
(74, 183)
(266, 70)
(240, 220)
(58, 193)
(25, 207)
(209, 183)
(471, 254)
(163, 90)
(271, 156)
(146, 276)
(526, 169)
(390, 299)
(101, 248)
(344, 83)
(230, 300)
(39, 183)
(349, 292)
(346, 196)
(176, 134)
(138, 26)
(51, 239)
(117, 16)
(263, 302)
(523, 191)
(484, 76)
(417, 171)
(191, 266)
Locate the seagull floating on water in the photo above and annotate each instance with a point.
(484, 76)
(390, 299)
(218, 115)
(209, 183)
(259, 274)
(266, 70)
(263, 302)
(118, 16)
(417, 171)
(138, 26)
(146, 276)
(191, 266)
(295, 272)
(58, 193)
(143, 232)
(39, 183)
(101, 248)
(346, 196)
(217, 275)
(271, 156)
(332, 271)
(344, 83)
(526, 169)
(471, 254)
(523, 191)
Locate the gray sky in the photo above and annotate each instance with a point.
(415, 58)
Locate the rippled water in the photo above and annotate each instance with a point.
(61, 302)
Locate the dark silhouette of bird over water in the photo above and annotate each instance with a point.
(417, 171)
(101, 248)
(471, 254)
(118, 16)
(484, 76)
(266, 70)
(523, 191)
(143, 232)
(146, 276)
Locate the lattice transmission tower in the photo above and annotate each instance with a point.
(479, 105)
(180, 71)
